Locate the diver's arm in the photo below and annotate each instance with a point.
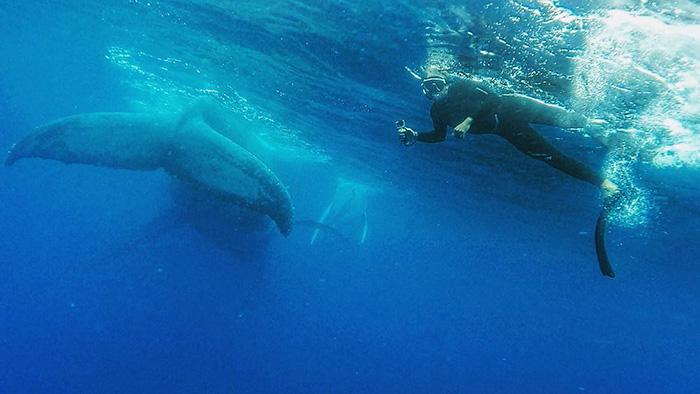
(439, 131)
(408, 136)
(438, 134)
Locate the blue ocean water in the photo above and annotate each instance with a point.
(478, 271)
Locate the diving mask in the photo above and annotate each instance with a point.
(433, 86)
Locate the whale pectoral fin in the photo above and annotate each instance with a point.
(191, 151)
(114, 140)
(320, 220)
(214, 163)
(364, 230)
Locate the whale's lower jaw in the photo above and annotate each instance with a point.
(191, 152)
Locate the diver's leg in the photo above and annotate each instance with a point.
(534, 111)
(527, 140)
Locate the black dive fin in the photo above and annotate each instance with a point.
(603, 259)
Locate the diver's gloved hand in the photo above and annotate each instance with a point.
(407, 135)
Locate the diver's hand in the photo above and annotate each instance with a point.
(463, 128)
(407, 135)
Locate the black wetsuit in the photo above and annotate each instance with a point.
(508, 116)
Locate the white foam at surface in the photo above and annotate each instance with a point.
(642, 70)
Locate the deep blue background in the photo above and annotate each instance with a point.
(476, 276)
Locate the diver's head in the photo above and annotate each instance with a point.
(434, 87)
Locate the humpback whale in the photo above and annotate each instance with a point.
(347, 210)
(195, 147)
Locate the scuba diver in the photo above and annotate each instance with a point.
(473, 107)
